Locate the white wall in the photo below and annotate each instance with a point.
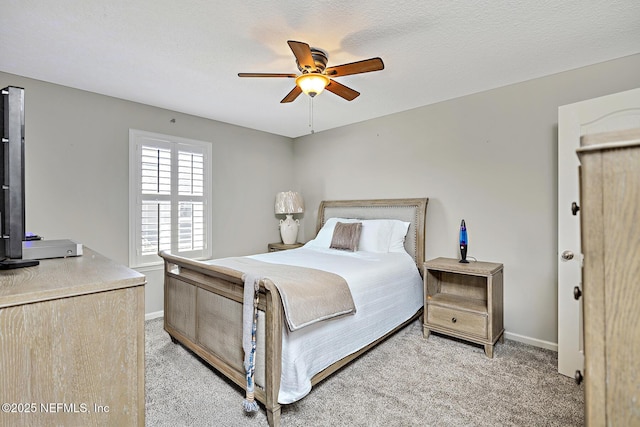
(489, 158)
(76, 155)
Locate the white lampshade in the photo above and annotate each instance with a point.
(312, 84)
(289, 202)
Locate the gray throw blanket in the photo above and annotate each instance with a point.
(308, 295)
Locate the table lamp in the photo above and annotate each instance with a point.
(289, 203)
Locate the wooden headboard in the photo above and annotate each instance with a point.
(410, 210)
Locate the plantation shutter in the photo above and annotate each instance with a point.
(170, 195)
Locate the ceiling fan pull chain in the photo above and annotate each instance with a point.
(311, 114)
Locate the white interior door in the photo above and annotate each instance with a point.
(608, 113)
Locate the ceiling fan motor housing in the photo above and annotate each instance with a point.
(320, 59)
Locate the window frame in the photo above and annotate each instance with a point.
(138, 139)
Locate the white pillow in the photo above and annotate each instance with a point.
(375, 235)
(398, 234)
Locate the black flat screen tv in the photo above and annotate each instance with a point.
(12, 202)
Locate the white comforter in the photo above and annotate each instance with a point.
(387, 290)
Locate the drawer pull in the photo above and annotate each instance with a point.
(454, 320)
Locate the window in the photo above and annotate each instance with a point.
(169, 193)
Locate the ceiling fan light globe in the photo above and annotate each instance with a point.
(312, 84)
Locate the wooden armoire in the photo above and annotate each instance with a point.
(610, 229)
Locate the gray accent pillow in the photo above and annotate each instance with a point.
(346, 236)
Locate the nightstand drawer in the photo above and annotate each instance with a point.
(461, 321)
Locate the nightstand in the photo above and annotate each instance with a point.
(275, 247)
(464, 301)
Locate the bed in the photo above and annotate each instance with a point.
(204, 302)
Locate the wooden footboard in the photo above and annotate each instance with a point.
(203, 311)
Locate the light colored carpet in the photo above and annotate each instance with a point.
(405, 381)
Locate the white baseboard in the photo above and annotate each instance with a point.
(154, 315)
(531, 341)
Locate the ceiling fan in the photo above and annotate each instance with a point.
(315, 77)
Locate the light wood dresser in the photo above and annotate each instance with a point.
(610, 229)
(464, 301)
(72, 343)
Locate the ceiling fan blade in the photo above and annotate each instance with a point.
(291, 96)
(364, 66)
(302, 52)
(342, 90)
(293, 76)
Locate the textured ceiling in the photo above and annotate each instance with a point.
(185, 55)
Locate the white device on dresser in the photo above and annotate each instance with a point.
(45, 249)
